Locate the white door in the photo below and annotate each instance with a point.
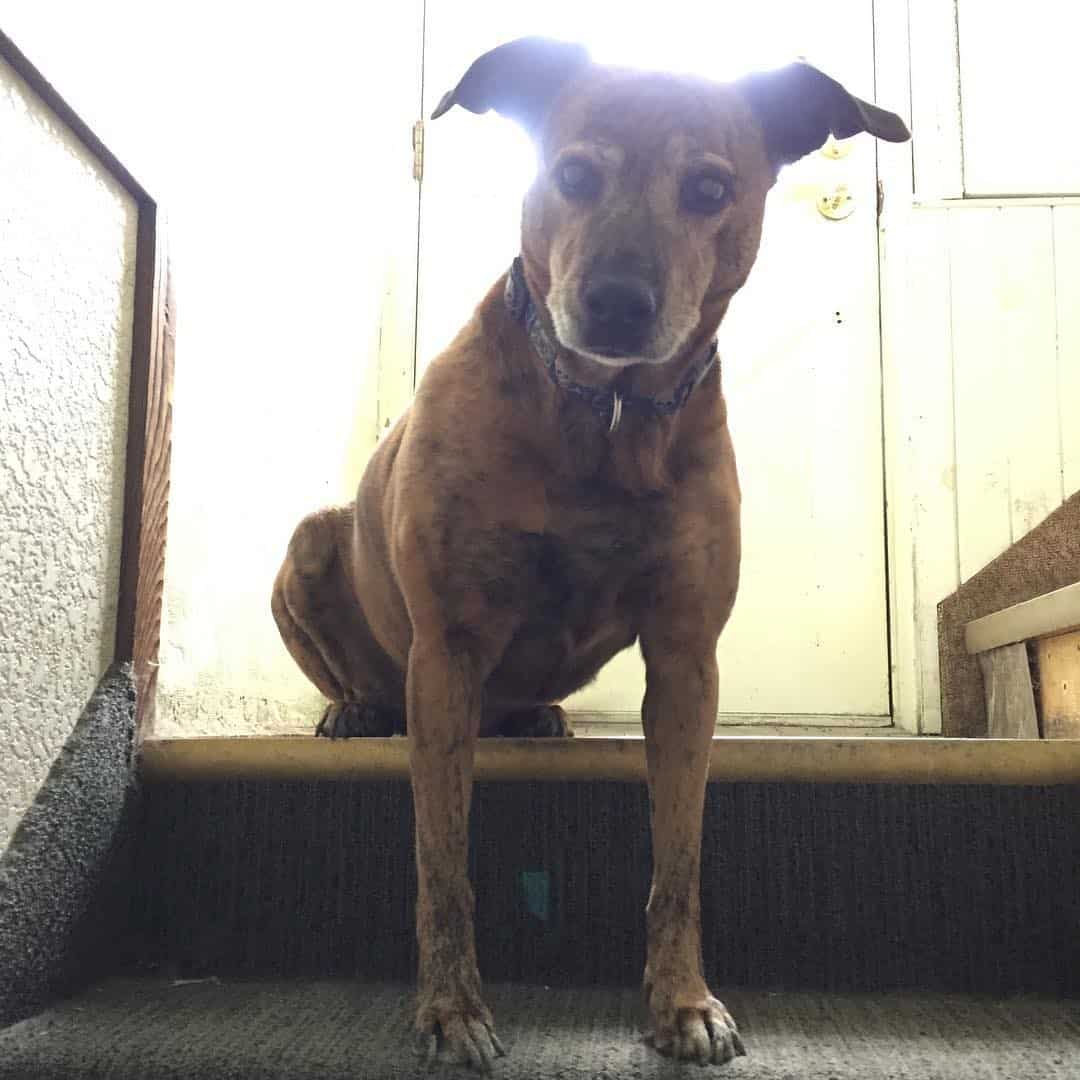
(807, 642)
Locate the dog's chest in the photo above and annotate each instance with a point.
(591, 558)
(589, 567)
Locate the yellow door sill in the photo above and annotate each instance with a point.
(779, 758)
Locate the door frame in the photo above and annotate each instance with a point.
(911, 611)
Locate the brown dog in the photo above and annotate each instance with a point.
(564, 485)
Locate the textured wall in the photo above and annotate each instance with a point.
(287, 189)
(67, 256)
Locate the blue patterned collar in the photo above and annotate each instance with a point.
(604, 401)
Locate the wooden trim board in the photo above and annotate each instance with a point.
(149, 452)
(149, 434)
(48, 93)
(909, 760)
(936, 114)
(1010, 700)
(1052, 613)
(1059, 685)
(621, 722)
(974, 202)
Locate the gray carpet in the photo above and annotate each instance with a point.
(839, 887)
(63, 876)
(144, 1029)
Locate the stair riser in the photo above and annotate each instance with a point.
(804, 886)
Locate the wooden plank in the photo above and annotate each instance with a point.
(929, 409)
(398, 310)
(1067, 274)
(1006, 378)
(618, 724)
(1029, 386)
(1053, 613)
(149, 450)
(794, 760)
(1010, 700)
(982, 202)
(935, 100)
(1058, 661)
(1040, 101)
(896, 244)
(1006, 372)
(919, 448)
(984, 525)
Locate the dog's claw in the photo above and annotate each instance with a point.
(704, 1033)
(660, 1045)
(725, 1044)
(462, 1041)
(480, 1046)
(427, 1046)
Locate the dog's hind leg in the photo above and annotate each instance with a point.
(533, 722)
(326, 633)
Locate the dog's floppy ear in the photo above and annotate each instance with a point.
(798, 107)
(519, 79)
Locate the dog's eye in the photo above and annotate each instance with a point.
(705, 193)
(578, 179)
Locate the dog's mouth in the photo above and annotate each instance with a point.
(616, 323)
(607, 353)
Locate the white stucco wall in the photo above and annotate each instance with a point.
(67, 258)
(284, 167)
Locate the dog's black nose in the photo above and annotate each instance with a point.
(620, 311)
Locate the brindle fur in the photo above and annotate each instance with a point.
(504, 545)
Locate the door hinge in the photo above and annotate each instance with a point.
(418, 150)
(880, 198)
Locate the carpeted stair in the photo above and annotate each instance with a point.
(857, 932)
(132, 1029)
(840, 887)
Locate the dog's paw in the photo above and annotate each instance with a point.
(460, 1033)
(359, 720)
(541, 722)
(691, 1025)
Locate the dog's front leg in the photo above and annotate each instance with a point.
(443, 691)
(679, 716)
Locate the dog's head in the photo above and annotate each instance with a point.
(645, 215)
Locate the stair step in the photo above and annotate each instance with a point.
(804, 886)
(883, 758)
(144, 1029)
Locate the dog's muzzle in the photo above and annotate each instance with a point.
(619, 314)
(603, 400)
